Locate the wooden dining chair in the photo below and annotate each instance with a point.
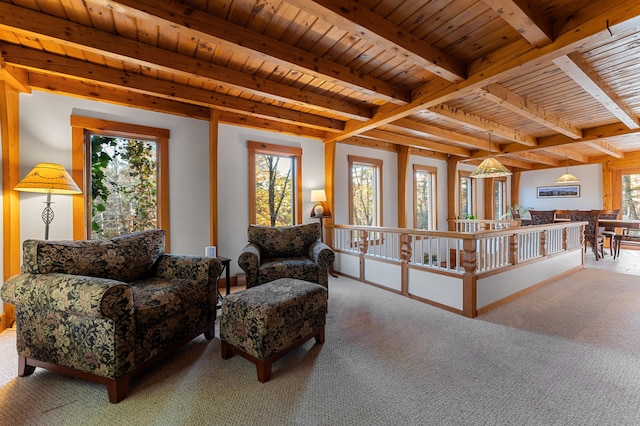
(609, 232)
(591, 235)
(542, 217)
(563, 215)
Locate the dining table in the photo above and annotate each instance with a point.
(619, 223)
(618, 239)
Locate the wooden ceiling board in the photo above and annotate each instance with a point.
(468, 31)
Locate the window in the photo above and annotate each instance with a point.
(125, 169)
(499, 198)
(424, 197)
(275, 179)
(124, 185)
(467, 197)
(630, 196)
(365, 191)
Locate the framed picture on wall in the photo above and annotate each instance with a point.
(565, 191)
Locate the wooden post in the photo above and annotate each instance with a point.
(543, 242)
(405, 257)
(469, 279)
(403, 171)
(364, 247)
(513, 249)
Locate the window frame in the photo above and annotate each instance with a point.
(377, 164)
(295, 154)
(82, 128)
(433, 204)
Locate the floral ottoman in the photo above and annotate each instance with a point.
(265, 322)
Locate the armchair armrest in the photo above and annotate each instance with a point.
(321, 254)
(188, 267)
(74, 294)
(249, 261)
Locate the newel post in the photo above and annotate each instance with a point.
(543, 242)
(469, 279)
(513, 249)
(406, 252)
(364, 247)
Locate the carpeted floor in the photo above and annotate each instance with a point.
(566, 354)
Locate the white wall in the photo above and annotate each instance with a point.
(590, 188)
(233, 182)
(45, 135)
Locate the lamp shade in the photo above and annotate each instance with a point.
(490, 168)
(567, 178)
(48, 178)
(318, 195)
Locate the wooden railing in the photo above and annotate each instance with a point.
(469, 256)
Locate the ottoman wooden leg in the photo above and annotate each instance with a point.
(225, 350)
(264, 370)
(320, 335)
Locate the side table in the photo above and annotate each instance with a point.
(226, 263)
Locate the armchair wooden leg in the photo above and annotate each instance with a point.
(23, 368)
(118, 389)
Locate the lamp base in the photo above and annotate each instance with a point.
(318, 210)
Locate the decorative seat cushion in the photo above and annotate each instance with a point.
(264, 320)
(297, 267)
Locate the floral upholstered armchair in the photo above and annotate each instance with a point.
(103, 310)
(286, 252)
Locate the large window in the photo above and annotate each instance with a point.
(630, 196)
(499, 197)
(467, 197)
(424, 197)
(365, 191)
(274, 184)
(125, 178)
(124, 185)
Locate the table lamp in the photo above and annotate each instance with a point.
(318, 196)
(48, 178)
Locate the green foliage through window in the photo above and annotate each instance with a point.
(630, 196)
(274, 190)
(124, 186)
(364, 193)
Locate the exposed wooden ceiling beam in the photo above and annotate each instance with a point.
(515, 162)
(103, 43)
(15, 77)
(576, 67)
(208, 28)
(417, 142)
(565, 152)
(504, 97)
(269, 125)
(534, 157)
(429, 129)
(524, 17)
(83, 71)
(483, 124)
(358, 20)
(606, 148)
(89, 90)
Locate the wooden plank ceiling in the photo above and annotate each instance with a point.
(539, 82)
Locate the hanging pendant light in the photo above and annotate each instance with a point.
(567, 177)
(490, 167)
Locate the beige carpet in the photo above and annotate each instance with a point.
(567, 354)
